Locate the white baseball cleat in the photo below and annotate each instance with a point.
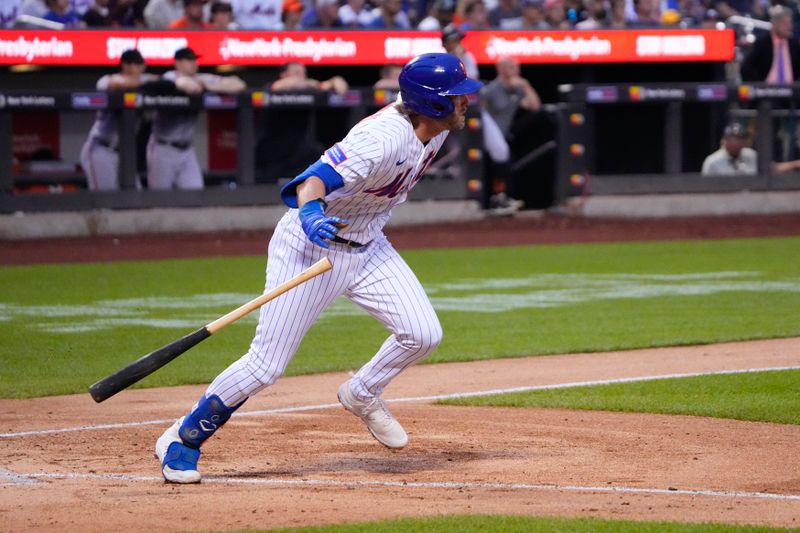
(178, 461)
(380, 422)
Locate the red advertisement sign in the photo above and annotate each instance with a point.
(75, 47)
(223, 140)
(35, 135)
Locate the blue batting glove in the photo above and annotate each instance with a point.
(316, 225)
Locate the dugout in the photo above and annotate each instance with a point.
(631, 146)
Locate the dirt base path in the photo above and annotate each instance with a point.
(313, 463)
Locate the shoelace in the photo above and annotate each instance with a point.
(378, 407)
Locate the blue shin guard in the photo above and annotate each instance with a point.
(209, 415)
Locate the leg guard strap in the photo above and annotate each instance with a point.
(209, 415)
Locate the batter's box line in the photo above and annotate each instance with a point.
(456, 485)
(9, 478)
(451, 396)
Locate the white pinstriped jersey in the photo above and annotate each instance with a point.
(380, 160)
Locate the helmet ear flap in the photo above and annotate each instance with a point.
(442, 105)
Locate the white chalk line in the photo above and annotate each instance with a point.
(8, 478)
(451, 396)
(456, 485)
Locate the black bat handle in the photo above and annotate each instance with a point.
(144, 366)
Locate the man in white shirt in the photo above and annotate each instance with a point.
(733, 156)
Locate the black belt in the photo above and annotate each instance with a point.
(107, 144)
(178, 145)
(347, 242)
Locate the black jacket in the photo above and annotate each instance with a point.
(758, 61)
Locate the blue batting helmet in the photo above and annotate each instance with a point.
(428, 80)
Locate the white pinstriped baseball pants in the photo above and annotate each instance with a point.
(375, 278)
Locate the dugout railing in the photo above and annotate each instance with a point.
(458, 176)
(674, 128)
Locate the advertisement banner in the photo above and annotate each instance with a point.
(77, 47)
(223, 140)
(36, 136)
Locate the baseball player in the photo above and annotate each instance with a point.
(339, 206)
(171, 159)
(99, 157)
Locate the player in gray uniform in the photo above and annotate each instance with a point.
(171, 159)
(99, 157)
(351, 189)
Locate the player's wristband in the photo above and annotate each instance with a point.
(312, 207)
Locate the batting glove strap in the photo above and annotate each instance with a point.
(316, 225)
(181, 457)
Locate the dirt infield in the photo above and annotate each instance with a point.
(317, 464)
(293, 457)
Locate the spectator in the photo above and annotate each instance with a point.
(192, 18)
(34, 8)
(451, 41)
(222, 17)
(503, 98)
(324, 16)
(286, 144)
(733, 157)
(171, 159)
(595, 15)
(646, 14)
(533, 15)
(98, 15)
(389, 16)
(159, 14)
(694, 12)
(106, 13)
(99, 157)
(292, 13)
(61, 12)
(477, 18)
(9, 11)
(439, 16)
(258, 14)
(618, 19)
(729, 8)
(775, 56)
(506, 16)
(390, 77)
(355, 14)
(555, 15)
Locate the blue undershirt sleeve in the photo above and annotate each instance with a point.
(332, 180)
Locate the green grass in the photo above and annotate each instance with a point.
(549, 299)
(509, 524)
(763, 396)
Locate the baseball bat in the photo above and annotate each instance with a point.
(146, 365)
